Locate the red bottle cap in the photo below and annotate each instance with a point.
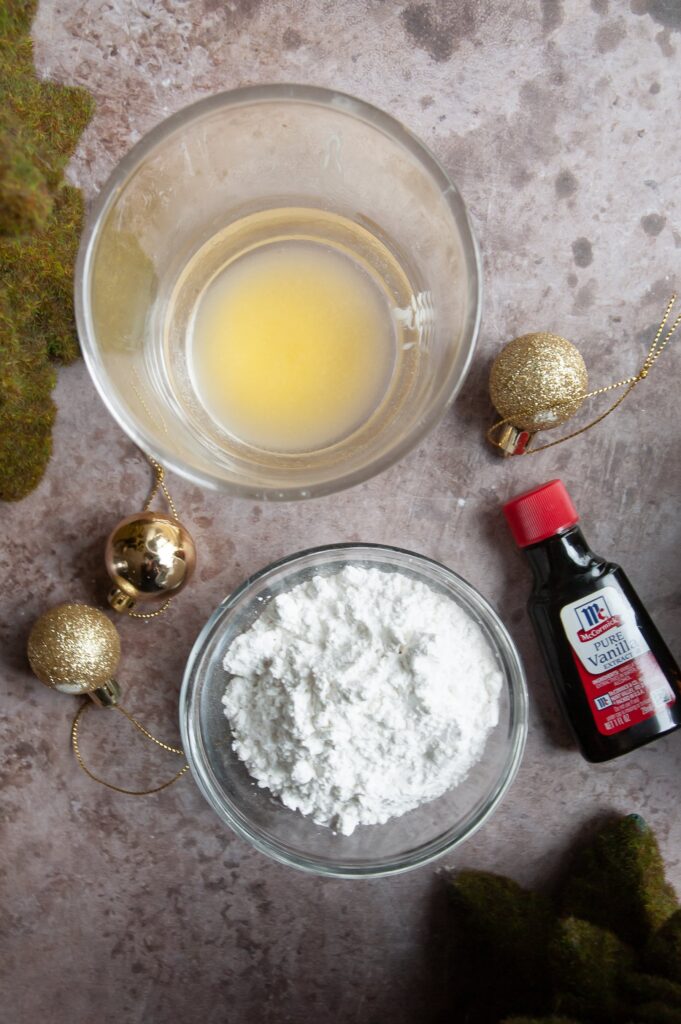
(540, 513)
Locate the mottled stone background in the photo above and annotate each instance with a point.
(560, 123)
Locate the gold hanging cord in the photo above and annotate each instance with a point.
(138, 725)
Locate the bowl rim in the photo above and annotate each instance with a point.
(133, 159)
(515, 681)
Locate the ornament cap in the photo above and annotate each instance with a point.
(107, 696)
(120, 601)
(511, 440)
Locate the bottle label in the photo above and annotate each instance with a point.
(621, 677)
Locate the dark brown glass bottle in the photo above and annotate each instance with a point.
(612, 672)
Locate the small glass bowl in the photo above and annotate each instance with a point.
(287, 836)
(212, 167)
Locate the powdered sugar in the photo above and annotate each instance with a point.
(358, 696)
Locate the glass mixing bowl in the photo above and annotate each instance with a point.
(287, 836)
(218, 174)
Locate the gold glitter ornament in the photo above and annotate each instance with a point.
(75, 649)
(538, 381)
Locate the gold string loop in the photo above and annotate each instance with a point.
(150, 615)
(159, 485)
(138, 725)
(655, 350)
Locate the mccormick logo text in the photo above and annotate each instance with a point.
(595, 618)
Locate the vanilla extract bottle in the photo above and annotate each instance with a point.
(615, 678)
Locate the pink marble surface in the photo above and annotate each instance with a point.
(559, 121)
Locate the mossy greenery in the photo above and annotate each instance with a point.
(40, 221)
(605, 949)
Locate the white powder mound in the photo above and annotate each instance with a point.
(358, 696)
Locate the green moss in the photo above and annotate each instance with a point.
(507, 927)
(589, 966)
(40, 221)
(39, 278)
(663, 953)
(25, 201)
(618, 882)
(650, 988)
(655, 1013)
(51, 116)
(26, 408)
(580, 958)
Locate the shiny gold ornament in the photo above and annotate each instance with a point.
(149, 555)
(76, 649)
